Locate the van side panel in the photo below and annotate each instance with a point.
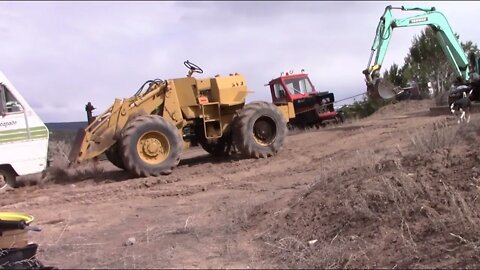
(25, 150)
(23, 137)
(25, 157)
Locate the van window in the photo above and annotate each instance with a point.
(11, 103)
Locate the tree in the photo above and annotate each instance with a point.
(395, 75)
(426, 63)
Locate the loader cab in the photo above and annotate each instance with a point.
(290, 87)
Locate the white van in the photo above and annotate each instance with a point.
(23, 136)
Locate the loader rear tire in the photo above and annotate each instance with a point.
(259, 130)
(7, 179)
(150, 146)
(113, 155)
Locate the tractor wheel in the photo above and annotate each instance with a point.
(221, 148)
(7, 179)
(150, 146)
(113, 155)
(259, 130)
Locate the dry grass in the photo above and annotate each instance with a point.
(443, 134)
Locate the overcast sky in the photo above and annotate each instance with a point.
(60, 55)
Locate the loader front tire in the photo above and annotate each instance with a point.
(150, 146)
(259, 130)
(113, 155)
(7, 179)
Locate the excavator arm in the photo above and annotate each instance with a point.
(436, 20)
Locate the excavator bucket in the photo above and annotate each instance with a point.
(382, 89)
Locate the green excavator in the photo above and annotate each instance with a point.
(465, 67)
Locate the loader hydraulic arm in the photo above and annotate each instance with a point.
(436, 20)
(103, 132)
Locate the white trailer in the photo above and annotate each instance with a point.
(23, 136)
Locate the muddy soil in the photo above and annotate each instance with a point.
(362, 190)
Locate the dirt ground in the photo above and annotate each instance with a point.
(384, 191)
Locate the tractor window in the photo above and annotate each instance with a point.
(298, 86)
(279, 91)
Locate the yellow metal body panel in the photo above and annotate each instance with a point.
(203, 84)
(287, 110)
(229, 90)
(187, 96)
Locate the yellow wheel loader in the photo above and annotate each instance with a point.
(146, 133)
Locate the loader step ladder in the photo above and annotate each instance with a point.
(212, 124)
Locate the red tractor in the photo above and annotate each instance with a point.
(312, 108)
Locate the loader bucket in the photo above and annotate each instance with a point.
(380, 88)
(77, 146)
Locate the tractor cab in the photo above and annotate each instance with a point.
(290, 87)
(311, 107)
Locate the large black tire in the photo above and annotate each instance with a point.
(114, 156)
(220, 148)
(259, 130)
(7, 179)
(150, 146)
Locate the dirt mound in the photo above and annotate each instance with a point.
(406, 106)
(408, 211)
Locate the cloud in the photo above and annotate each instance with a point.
(61, 55)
